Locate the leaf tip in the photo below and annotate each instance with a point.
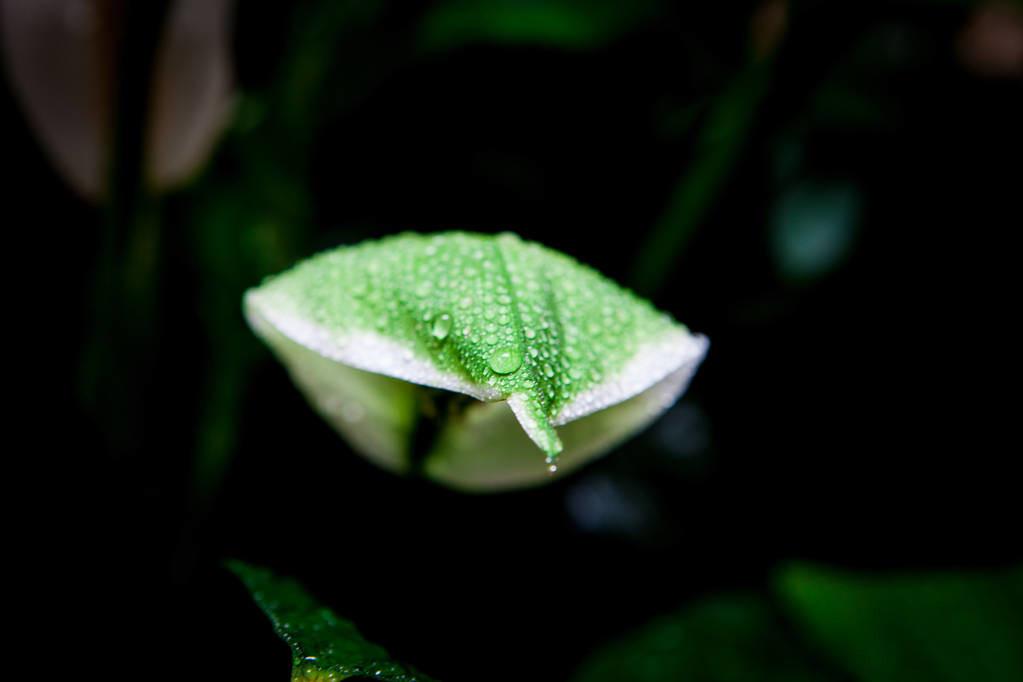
(536, 425)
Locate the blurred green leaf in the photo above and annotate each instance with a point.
(718, 146)
(569, 24)
(323, 646)
(834, 626)
(729, 638)
(938, 627)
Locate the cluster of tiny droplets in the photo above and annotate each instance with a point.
(508, 314)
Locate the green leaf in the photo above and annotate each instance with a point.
(324, 647)
(569, 24)
(730, 638)
(942, 627)
(509, 323)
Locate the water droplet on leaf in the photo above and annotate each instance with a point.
(441, 327)
(505, 360)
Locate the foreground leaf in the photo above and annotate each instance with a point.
(939, 627)
(506, 322)
(323, 647)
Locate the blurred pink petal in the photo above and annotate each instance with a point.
(58, 55)
(991, 44)
(192, 91)
(767, 26)
(61, 59)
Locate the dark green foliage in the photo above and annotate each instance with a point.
(828, 625)
(945, 627)
(249, 224)
(565, 24)
(730, 638)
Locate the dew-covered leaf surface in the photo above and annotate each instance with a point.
(493, 317)
(324, 647)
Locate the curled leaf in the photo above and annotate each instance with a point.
(580, 362)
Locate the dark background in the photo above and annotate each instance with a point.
(833, 204)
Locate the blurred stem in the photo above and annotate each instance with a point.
(255, 219)
(218, 423)
(429, 423)
(436, 409)
(718, 146)
(118, 360)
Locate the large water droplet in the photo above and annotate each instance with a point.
(505, 360)
(441, 326)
